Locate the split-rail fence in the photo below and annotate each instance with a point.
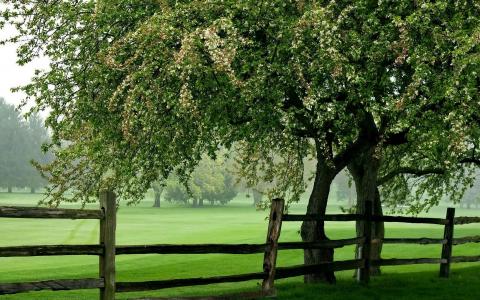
(107, 250)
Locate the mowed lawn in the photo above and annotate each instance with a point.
(236, 222)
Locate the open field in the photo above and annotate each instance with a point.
(237, 222)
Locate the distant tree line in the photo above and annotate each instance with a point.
(20, 144)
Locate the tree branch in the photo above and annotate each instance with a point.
(410, 171)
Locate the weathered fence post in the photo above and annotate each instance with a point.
(107, 239)
(364, 273)
(447, 247)
(270, 257)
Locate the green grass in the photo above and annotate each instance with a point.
(237, 222)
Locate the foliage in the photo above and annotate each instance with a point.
(145, 89)
(211, 181)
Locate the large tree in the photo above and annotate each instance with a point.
(141, 87)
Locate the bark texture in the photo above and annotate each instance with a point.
(315, 231)
(364, 170)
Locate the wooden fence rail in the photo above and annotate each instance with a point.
(49, 213)
(107, 250)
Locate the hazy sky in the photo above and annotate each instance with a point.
(11, 74)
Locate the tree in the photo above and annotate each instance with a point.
(146, 91)
(11, 146)
(211, 181)
(20, 143)
(158, 189)
(37, 136)
(343, 189)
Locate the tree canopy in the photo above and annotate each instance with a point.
(143, 89)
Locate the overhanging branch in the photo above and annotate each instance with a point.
(409, 171)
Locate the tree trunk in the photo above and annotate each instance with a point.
(378, 233)
(257, 197)
(364, 170)
(194, 202)
(32, 190)
(9, 189)
(315, 231)
(157, 191)
(200, 202)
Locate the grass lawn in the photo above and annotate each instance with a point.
(236, 222)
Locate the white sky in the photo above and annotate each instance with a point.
(11, 74)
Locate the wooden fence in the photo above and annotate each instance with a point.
(106, 250)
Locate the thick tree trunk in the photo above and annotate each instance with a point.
(157, 191)
(257, 197)
(364, 170)
(194, 202)
(32, 190)
(315, 231)
(200, 202)
(9, 189)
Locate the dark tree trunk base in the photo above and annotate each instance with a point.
(312, 256)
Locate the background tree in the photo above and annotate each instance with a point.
(211, 181)
(20, 143)
(12, 158)
(343, 190)
(37, 136)
(158, 189)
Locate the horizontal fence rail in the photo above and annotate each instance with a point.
(51, 250)
(192, 249)
(357, 217)
(460, 259)
(414, 220)
(466, 220)
(229, 248)
(407, 261)
(321, 244)
(54, 285)
(314, 217)
(49, 213)
(171, 283)
(466, 239)
(420, 241)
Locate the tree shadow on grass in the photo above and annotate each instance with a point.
(464, 283)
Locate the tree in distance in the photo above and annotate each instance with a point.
(211, 181)
(20, 143)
